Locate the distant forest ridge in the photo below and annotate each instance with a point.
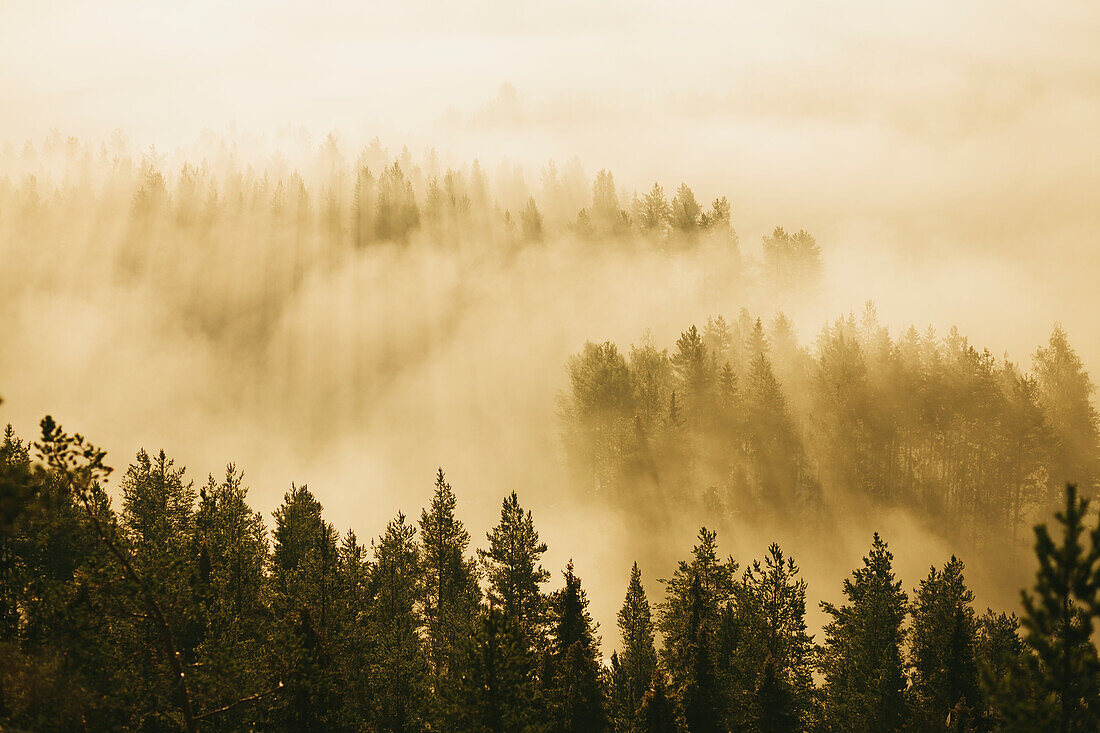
(745, 423)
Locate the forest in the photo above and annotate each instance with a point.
(180, 609)
(306, 289)
(742, 419)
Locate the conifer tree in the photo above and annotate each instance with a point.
(1065, 392)
(575, 688)
(496, 691)
(1059, 618)
(685, 210)
(861, 661)
(451, 593)
(638, 660)
(688, 621)
(513, 567)
(775, 648)
(1007, 685)
(303, 582)
(660, 710)
(157, 507)
(531, 221)
(398, 669)
(654, 210)
(945, 687)
(230, 541)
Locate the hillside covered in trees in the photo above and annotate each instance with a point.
(324, 297)
(745, 423)
(182, 609)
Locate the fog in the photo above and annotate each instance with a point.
(944, 157)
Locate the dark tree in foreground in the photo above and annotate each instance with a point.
(638, 661)
(945, 690)
(574, 680)
(496, 692)
(1058, 622)
(513, 567)
(862, 658)
(451, 593)
(688, 621)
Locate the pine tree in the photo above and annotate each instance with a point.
(451, 593)
(156, 518)
(945, 688)
(639, 657)
(575, 689)
(1058, 619)
(1065, 393)
(303, 582)
(515, 573)
(157, 506)
(303, 557)
(685, 210)
(531, 221)
(230, 542)
(398, 669)
(688, 621)
(861, 661)
(654, 210)
(660, 710)
(1003, 668)
(496, 691)
(774, 654)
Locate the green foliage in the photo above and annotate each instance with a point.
(1058, 621)
(573, 678)
(944, 660)
(861, 662)
(513, 567)
(451, 593)
(497, 691)
(688, 620)
(638, 661)
(169, 614)
(773, 657)
(398, 671)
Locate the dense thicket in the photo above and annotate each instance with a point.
(180, 610)
(736, 417)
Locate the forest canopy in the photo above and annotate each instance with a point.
(163, 602)
(743, 420)
(183, 609)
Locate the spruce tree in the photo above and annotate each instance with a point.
(945, 687)
(575, 685)
(496, 690)
(638, 660)
(513, 567)
(230, 542)
(688, 621)
(398, 669)
(303, 584)
(1059, 616)
(774, 656)
(861, 661)
(451, 593)
(660, 711)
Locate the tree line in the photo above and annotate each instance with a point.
(742, 421)
(182, 610)
(331, 198)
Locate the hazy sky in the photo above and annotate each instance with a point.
(897, 133)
